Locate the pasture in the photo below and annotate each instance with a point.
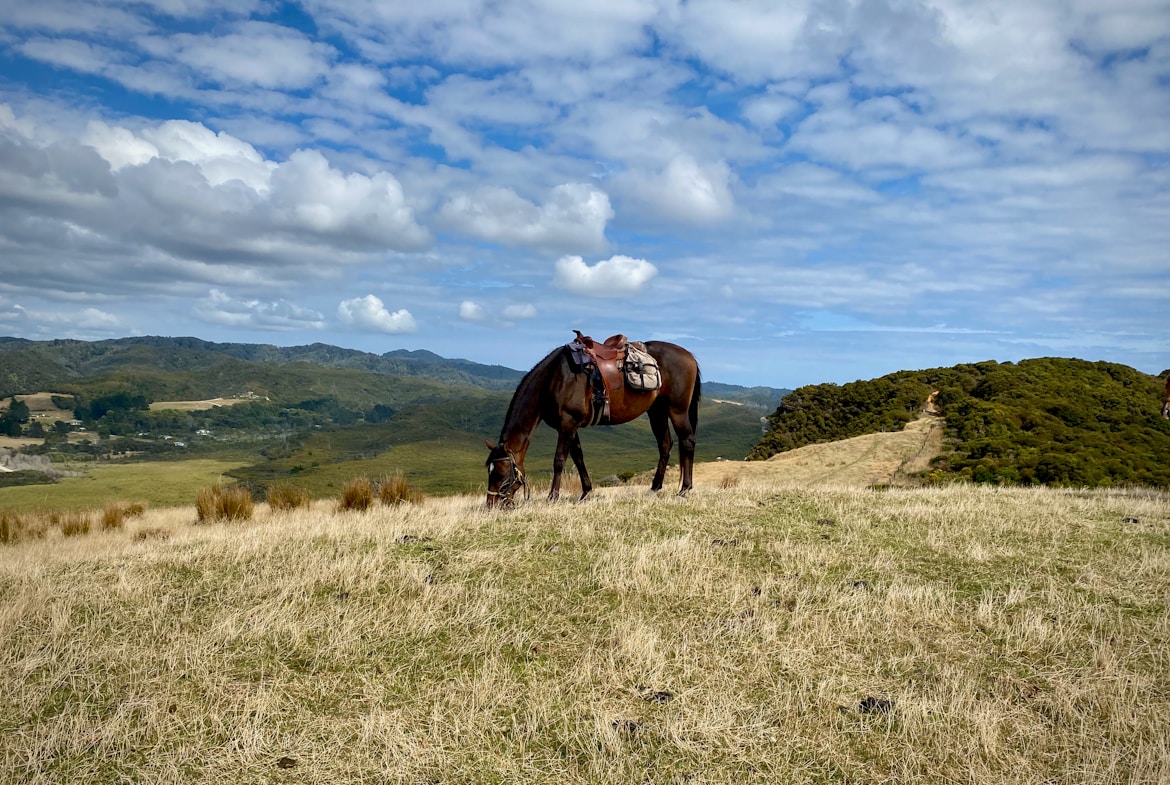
(760, 633)
(155, 483)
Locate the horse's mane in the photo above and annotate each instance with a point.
(527, 395)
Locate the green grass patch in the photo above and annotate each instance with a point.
(157, 483)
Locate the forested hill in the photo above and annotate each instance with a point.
(1050, 421)
(38, 365)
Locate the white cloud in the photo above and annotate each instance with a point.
(369, 313)
(618, 276)
(471, 311)
(573, 218)
(254, 53)
(520, 311)
(686, 191)
(220, 308)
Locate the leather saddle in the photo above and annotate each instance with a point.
(602, 361)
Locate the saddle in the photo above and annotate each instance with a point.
(605, 363)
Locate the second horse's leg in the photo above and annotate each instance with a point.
(563, 443)
(579, 462)
(660, 425)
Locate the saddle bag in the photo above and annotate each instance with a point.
(640, 369)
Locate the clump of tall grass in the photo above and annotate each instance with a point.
(75, 523)
(288, 497)
(358, 494)
(224, 503)
(15, 527)
(396, 490)
(115, 514)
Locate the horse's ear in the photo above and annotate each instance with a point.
(489, 444)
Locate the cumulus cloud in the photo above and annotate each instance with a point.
(471, 311)
(618, 276)
(178, 190)
(370, 313)
(573, 218)
(220, 308)
(686, 191)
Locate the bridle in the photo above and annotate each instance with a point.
(510, 484)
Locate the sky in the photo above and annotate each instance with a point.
(800, 192)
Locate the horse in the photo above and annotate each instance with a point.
(558, 392)
(1166, 402)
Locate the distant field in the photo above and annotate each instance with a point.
(196, 406)
(753, 635)
(158, 484)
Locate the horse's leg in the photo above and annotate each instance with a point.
(660, 425)
(579, 462)
(686, 447)
(564, 442)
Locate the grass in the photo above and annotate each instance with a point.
(749, 635)
(157, 484)
(224, 503)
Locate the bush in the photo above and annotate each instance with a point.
(224, 503)
(288, 497)
(358, 494)
(396, 490)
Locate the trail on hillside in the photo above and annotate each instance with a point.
(873, 459)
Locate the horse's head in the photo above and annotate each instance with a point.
(505, 476)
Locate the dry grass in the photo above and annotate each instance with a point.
(224, 503)
(288, 497)
(396, 490)
(357, 494)
(75, 523)
(748, 635)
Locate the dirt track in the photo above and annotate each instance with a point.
(874, 459)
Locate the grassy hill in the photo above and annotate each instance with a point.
(749, 635)
(319, 415)
(1049, 421)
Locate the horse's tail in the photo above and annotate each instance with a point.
(695, 396)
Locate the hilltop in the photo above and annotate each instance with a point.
(1047, 421)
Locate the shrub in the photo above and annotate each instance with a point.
(358, 494)
(396, 490)
(288, 497)
(223, 502)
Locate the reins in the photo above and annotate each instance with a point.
(509, 484)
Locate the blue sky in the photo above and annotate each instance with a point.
(799, 193)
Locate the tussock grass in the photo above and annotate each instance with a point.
(17, 527)
(224, 503)
(114, 514)
(76, 523)
(752, 635)
(288, 497)
(357, 495)
(396, 490)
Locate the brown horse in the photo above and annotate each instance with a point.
(558, 392)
